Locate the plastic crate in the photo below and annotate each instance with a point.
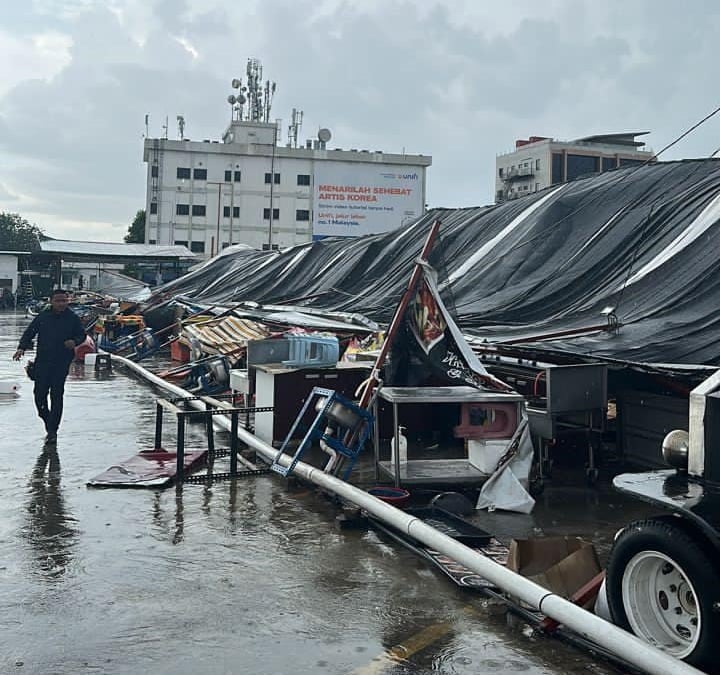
(312, 350)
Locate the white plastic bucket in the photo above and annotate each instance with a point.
(9, 388)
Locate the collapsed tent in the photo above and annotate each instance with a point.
(643, 241)
(121, 286)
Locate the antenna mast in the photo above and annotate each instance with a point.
(267, 101)
(294, 128)
(254, 94)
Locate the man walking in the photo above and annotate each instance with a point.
(58, 331)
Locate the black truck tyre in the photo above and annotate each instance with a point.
(663, 586)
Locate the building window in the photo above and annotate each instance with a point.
(500, 172)
(154, 170)
(236, 177)
(225, 244)
(302, 214)
(268, 178)
(183, 173)
(182, 209)
(152, 242)
(181, 243)
(275, 214)
(580, 165)
(228, 176)
(267, 247)
(200, 174)
(557, 168)
(153, 208)
(226, 211)
(537, 164)
(303, 179)
(236, 211)
(631, 162)
(537, 187)
(197, 246)
(608, 163)
(198, 209)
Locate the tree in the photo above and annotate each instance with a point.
(136, 231)
(17, 234)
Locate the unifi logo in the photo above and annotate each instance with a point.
(400, 176)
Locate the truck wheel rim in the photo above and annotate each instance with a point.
(661, 603)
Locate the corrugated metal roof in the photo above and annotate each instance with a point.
(105, 249)
(225, 335)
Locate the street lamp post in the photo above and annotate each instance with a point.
(214, 250)
(272, 184)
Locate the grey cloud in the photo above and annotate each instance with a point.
(393, 77)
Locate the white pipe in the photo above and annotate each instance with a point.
(327, 449)
(615, 640)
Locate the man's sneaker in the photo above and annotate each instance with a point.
(51, 438)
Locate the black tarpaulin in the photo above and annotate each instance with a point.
(642, 240)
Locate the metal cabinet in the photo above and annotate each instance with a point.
(575, 398)
(285, 389)
(455, 470)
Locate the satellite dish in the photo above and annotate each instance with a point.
(231, 99)
(235, 83)
(324, 135)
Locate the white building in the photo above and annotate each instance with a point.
(538, 162)
(9, 270)
(247, 189)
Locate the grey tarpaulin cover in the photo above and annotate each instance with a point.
(644, 240)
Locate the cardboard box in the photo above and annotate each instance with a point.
(563, 565)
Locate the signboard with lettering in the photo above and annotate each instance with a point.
(351, 200)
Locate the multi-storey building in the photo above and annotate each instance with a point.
(538, 162)
(247, 189)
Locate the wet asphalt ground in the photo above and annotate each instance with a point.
(249, 576)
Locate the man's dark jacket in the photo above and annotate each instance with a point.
(52, 329)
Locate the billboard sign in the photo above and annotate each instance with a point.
(351, 199)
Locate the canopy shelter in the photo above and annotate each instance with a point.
(96, 252)
(86, 261)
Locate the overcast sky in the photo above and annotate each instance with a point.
(458, 80)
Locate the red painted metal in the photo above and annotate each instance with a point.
(399, 313)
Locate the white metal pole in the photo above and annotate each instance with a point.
(616, 640)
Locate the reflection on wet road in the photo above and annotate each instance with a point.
(50, 530)
(246, 576)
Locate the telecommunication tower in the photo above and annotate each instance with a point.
(253, 100)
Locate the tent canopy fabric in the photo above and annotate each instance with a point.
(642, 240)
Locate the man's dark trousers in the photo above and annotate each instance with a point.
(50, 379)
